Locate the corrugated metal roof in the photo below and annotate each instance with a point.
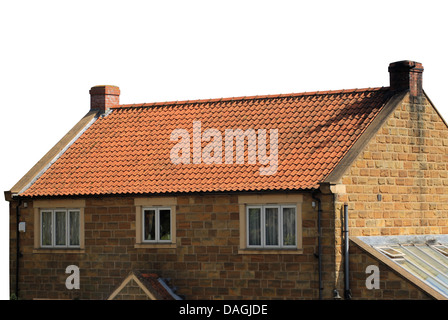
(425, 262)
(423, 256)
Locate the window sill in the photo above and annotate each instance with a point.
(269, 251)
(155, 246)
(59, 250)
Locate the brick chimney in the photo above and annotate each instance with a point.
(407, 75)
(104, 97)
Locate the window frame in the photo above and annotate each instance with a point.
(263, 231)
(51, 204)
(53, 244)
(390, 252)
(292, 200)
(154, 202)
(441, 248)
(157, 225)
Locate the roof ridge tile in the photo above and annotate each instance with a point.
(252, 97)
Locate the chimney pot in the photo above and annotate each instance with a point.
(104, 97)
(407, 75)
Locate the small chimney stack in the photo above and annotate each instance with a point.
(104, 97)
(407, 75)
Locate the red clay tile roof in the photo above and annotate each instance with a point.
(128, 150)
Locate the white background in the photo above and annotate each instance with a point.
(53, 52)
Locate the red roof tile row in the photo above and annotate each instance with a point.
(128, 150)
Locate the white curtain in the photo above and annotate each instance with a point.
(46, 228)
(61, 225)
(271, 216)
(74, 228)
(289, 226)
(254, 226)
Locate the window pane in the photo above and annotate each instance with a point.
(272, 226)
(46, 228)
(74, 228)
(254, 226)
(61, 228)
(165, 224)
(289, 226)
(149, 217)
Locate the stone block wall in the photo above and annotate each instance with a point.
(205, 264)
(391, 285)
(398, 185)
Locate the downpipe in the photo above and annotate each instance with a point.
(18, 254)
(319, 245)
(347, 291)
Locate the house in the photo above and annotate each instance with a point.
(319, 195)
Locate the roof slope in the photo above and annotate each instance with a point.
(127, 151)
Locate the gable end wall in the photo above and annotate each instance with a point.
(398, 185)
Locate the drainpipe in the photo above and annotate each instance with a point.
(18, 255)
(319, 239)
(347, 291)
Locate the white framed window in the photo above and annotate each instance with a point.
(60, 228)
(152, 229)
(156, 225)
(390, 252)
(271, 226)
